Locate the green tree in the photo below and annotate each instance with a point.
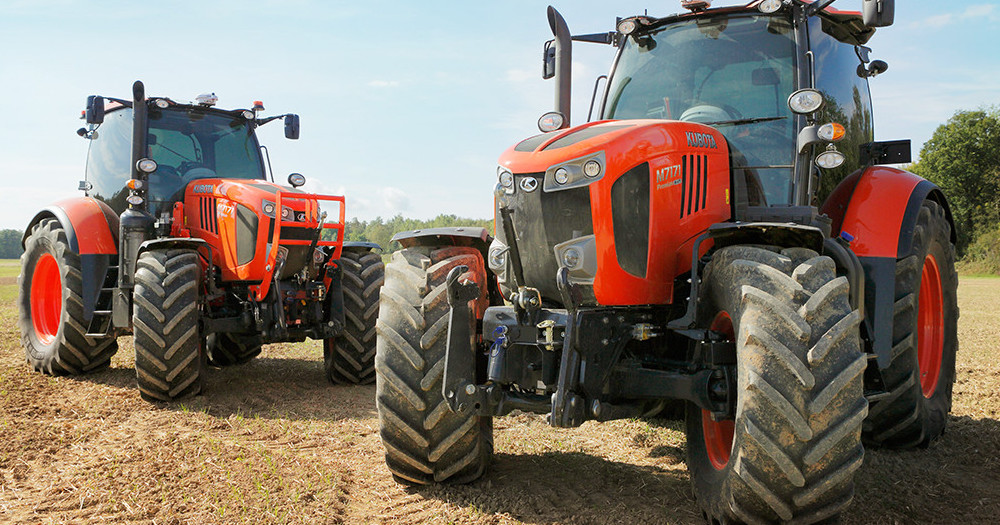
(963, 159)
(380, 231)
(10, 244)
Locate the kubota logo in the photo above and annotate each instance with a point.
(529, 184)
(701, 140)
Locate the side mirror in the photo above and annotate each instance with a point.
(291, 127)
(878, 13)
(549, 60)
(95, 109)
(877, 67)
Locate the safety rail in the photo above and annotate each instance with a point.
(312, 212)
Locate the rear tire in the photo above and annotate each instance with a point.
(168, 353)
(349, 359)
(50, 307)
(924, 332)
(793, 448)
(228, 349)
(425, 442)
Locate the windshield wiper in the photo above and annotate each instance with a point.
(742, 121)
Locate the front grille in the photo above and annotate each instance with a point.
(209, 220)
(694, 183)
(246, 234)
(541, 220)
(630, 218)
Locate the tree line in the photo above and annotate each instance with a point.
(963, 159)
(380, 230)
(10, 244)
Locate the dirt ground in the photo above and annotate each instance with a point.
(272, 442)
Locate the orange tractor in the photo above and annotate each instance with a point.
(181, 241)
(723, 237)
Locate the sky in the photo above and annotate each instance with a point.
(405, 106)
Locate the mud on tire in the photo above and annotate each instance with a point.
(349, 359)
(425, 442)
(168, 353)
(924, 330)
(796, 439)
(50, 307)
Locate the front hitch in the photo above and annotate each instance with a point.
(459, 383)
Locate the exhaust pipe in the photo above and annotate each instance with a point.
(564, 62)
(138, 128)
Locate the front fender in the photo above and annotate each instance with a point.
(876, 208)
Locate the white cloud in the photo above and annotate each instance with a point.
(383, 83)
(971, 12)
(395, 199)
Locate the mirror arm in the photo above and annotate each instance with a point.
(262, 121)
(818, 6)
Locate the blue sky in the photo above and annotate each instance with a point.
(405, 106)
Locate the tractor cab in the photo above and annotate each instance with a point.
(746, 71)
(187, 142)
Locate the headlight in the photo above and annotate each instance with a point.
(268, 207)
(572, 257)
(498, 256)
(505, 177)
(805, 101)
(575, 173)
(146, 165)
(829, 159)
(769, 6)
(134, 200)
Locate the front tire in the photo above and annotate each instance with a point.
(349, 359)
(168, 352)
(924, 337)
(791, 452)
(50, 307)
(425, 442)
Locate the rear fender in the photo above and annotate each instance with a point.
(876, 208)
(91, 228)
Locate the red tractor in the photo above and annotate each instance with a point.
(722, 236)
(181, 241)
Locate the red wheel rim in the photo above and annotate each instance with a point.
(719, 434)
(46, 298)
(930, 321)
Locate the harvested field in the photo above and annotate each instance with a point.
(272, 441)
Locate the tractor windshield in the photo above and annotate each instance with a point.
(194, 143)
(734, 73)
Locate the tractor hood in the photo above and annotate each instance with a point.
(249, 218)
(615, 200)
